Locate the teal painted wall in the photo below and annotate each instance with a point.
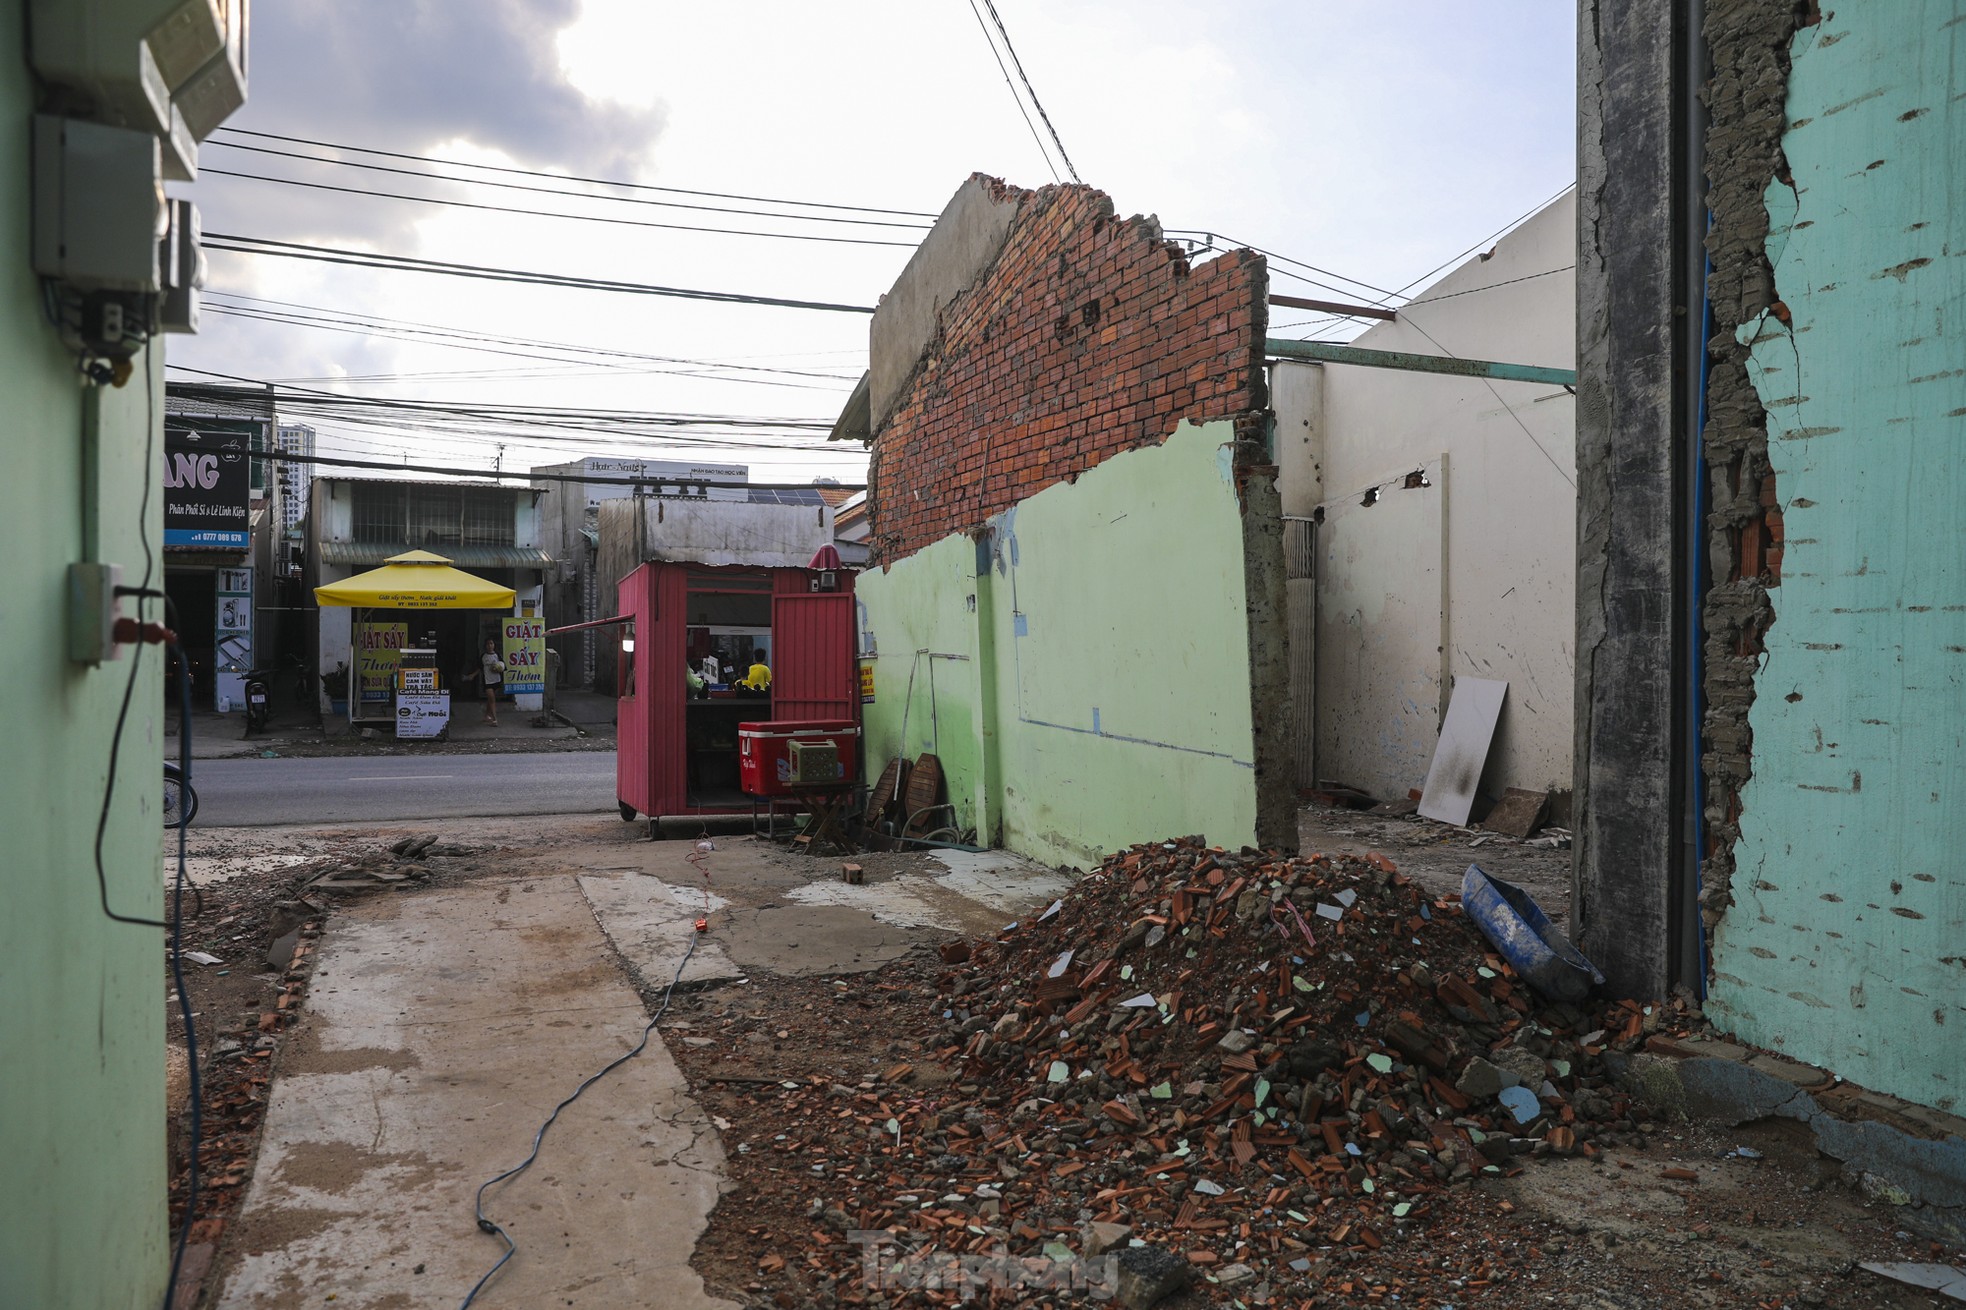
(82, 1215)
(1109, 626)
(1846, 945)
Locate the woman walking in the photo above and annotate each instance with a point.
(494, 678)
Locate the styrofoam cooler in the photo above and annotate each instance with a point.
(764, 763)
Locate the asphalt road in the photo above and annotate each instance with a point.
(240, 793)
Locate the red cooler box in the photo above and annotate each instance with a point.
(769, 765)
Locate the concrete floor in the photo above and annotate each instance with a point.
(441, 1029)
(443, 1025)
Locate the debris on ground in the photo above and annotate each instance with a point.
(1265, 1067)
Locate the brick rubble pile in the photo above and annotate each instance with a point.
(1265, 1067)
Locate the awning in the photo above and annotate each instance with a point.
(467, 557)
(417, 580)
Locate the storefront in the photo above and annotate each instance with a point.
(417, 627)
(678, 746)
(208, 573)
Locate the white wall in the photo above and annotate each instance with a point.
(1473, 574)
(723, 532)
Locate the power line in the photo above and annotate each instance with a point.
(603, 365)
(380, 323)
(497, 410)
(1211, 239)
(493, 475)
(1488, 240)
(1544, 450)
(577, 218)
(1017, 99)
(566, 191)
(1449, 295)
(1036, 104)
(407, 264)
(562, 177)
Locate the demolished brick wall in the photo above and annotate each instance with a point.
(1748, 43)
(1090, 335)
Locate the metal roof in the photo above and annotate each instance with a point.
(465, 557)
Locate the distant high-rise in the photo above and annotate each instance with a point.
(296, 477)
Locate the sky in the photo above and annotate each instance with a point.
(1375, 140)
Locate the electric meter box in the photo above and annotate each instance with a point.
(98, 205)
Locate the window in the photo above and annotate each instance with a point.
(377, 513)
(488, 518)
(433, 516)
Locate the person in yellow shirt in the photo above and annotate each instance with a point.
(759, 676)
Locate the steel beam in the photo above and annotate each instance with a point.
(1329, 353)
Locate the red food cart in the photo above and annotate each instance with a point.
(679, 748)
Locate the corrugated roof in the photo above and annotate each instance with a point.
(465, 557)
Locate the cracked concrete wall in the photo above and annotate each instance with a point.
(1625, 726)
(1842, 945)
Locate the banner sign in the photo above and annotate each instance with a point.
(866, 684)
(233, 613)
(208, 480)
(422, 714)
(378, 652)
(525, 657)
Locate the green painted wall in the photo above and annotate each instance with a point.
(82, 1217)
(1109, 626)
(1846, 945)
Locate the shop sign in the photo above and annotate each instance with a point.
(525, 657)
(417, 680)
(233, 637)
(208, 481)
(866, 684)
(378, 653)
(422, 714)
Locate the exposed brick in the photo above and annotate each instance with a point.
(1027, 384)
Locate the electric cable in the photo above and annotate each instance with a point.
(1473, 291)
(491, 1226)
(247, 245)
(1030, 90)
(136, 654)
(328, 314)
(338, 461)
(430, 334)
(1017, 99)
(1544, 450)
(563, 191)
(579, 218)
(183, 996)
(595, 181)
(1488, 240)
(496, 409)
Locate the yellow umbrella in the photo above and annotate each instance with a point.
(416, 580)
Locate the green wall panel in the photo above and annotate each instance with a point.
(82, 1217)
(1846, 944)
(1104, 694)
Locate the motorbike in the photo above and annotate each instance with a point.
(258, 685)
(180, 801)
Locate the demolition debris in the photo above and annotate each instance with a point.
(1240, 1069)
